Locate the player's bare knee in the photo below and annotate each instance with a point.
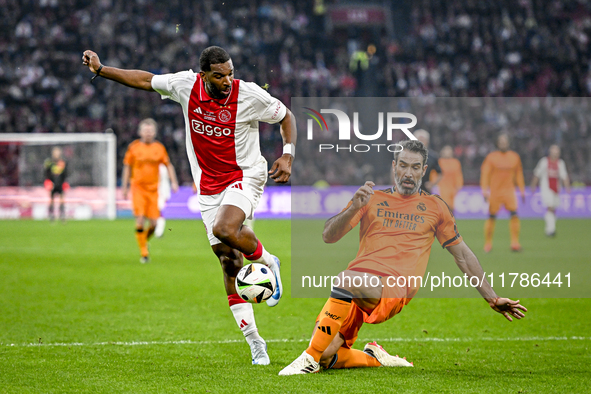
(224, 232)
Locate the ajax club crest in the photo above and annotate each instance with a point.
(224, 115)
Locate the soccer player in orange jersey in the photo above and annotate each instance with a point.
(397, 229)
(140, 164)
(501, 171)
(453, 179)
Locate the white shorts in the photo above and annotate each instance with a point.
(244, 194)
(550, 199)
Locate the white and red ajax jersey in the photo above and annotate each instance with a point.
(222, 135)
(550, 172)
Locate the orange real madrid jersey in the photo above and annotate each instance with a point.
(501, 172)
(144, 160)
(396, 233)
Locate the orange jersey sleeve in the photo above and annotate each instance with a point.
(446, 230)
(129, 158)
(357, 218)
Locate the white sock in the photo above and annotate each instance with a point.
(550, 218)
(244, 316)
(266, 258)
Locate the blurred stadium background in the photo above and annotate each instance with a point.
(305, 48)
(80, 314)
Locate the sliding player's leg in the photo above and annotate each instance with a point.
(339, 353)
(331, 318)
(336, 332)
(373, 355)
(238, 203)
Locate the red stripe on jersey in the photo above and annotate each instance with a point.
(553, 175)
(213, 125)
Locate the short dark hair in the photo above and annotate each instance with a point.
(212, 55)
(413, 146)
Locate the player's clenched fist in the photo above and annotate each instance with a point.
(91, 59)
(362, 195)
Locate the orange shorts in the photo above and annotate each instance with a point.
(145, 202)
(509, 200)
(390, 304)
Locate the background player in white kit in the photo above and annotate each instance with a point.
(221, 122)
(164, 194)
(550, 171)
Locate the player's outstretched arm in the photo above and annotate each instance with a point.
(337, 226)
(281, 169)
(125, 181)
(137, 79)
(534, 184)
(174, 183)
(469, 264)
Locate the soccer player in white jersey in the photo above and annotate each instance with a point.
(221, 122)
(550, 172)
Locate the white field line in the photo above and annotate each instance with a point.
(227, 341)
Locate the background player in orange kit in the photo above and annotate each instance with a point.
(501, 171)
(140, 164)
(397, 229)
(453, 179)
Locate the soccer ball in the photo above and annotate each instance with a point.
(255, 283)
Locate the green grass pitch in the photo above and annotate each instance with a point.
(80, 314)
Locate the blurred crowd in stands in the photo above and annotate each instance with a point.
(449, 48)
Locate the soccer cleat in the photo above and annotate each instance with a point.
(378, 352)
(160, 226)
(258, 349)
(487, 247)
(144, 259)
(276, 268)
(516, 248)
(301, 366)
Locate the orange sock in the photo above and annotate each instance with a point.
(142, 241)
(331, 319)
(351, 358)
(489, 230)
(150, 232)
(514, 227)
